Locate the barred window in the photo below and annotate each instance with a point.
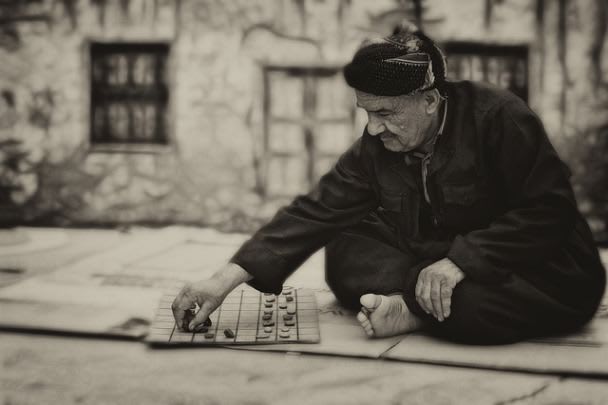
(129, 93)
(309, 123)
(503, 65)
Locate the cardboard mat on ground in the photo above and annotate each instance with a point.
(116, 293)
(113, 292)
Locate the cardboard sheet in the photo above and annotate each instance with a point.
(112, 293)
(574, 354)
(115, 294)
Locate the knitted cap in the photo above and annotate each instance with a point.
(403, 63)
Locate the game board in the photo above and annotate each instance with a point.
(245, 317)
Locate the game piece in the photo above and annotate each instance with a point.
(188, 317)
(289, 298)
(283, 306)
(245, 317)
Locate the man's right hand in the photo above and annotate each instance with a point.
(208, 294)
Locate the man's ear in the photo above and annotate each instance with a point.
(432, 100)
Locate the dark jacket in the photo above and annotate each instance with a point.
(500, 202)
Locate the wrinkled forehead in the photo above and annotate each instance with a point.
(372, 102)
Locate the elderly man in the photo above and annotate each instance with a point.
(452, 212)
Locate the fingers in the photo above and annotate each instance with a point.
(202, 316)
(446, 300)
(420, 288)
(435, 286)
(365, 324)
(419, 292)
(182, 308)
(434, 296)
(435, 293)
(425, 297)
(176, 307)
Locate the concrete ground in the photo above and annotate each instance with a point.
(70, 370)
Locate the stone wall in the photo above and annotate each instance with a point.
(213, 169)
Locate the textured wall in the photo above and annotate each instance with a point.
(212, 169)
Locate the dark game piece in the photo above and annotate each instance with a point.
(228, 333)
(188, 317)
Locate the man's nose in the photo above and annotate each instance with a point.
(375, 127)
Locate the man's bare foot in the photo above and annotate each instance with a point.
(383, 316)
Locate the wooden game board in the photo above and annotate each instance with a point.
(245, 317)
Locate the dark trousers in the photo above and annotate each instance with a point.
(366, 259)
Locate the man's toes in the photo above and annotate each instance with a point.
(362, 318)
(370, 301)
(365, 324)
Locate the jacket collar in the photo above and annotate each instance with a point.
(442, 152)
(444, 147)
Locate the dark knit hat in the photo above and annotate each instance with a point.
(403, 63)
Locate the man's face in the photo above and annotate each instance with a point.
(403, 123)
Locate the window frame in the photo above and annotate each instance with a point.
(157, 93)
(308, 121)
(487, 50)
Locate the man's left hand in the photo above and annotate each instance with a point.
(435, 285)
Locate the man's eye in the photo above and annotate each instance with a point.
(384, 114)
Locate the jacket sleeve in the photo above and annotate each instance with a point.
(341, 198)
(541, 209)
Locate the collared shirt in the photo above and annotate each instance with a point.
(425, 157)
